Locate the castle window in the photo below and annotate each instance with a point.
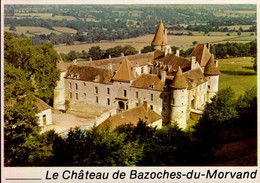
(70, 95)
(108, 91)
(126, 107)
(96, 99)
(136, 94)
(151, 97)
(77, 96)
(142, 70)
(85, 94)
(151, 106)
(84, 84)
(108, 101)
(96, 89)
(173, 101)
(182, 90)
(124, 93)
(76, 86)
(208, 87)
(70, 86)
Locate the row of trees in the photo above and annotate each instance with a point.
(234, 49)
(130, 145)
(96, 53)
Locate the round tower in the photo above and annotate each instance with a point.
(160, 40)
(212, 74)
(59, 91)
(179, 101)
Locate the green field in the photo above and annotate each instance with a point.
(237, 73)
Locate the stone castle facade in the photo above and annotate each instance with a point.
(172, 86)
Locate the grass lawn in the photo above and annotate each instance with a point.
(237, 73)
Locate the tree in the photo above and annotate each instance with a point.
(96, 53)
(129, 50)
(72, 55)
(12, 27)
(239, 33)
(194, 43)
(169, 146)
(147, 49)
(16, 83)
(217, 114)
(100, 146)
(114, 52)
(21, 130)
(37, 62)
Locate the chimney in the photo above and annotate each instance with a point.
(216, 62)
(110, 66)
(165, 51)
(165, 35)
(145, 105)
(139, 52)
(109, 56)
(193, 62)
(122, 54)
(170, 50)
(90, 59)
(163, 76)
(208, 46)
(177, 53)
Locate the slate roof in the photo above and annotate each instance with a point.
(159, 38)
(132, 116)
(145, 81)
(211, 68)
(125, 72)
(202, 54)
(89, 74)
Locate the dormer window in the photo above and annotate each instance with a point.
(96, 79)
(69, 75)
(151, 86)
(76, 76)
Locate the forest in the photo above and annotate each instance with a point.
(94, 23)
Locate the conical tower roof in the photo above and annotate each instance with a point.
(124, 72)
(179, 81)
(211, 68)
(160, 38)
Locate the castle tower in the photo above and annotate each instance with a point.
(212, 74)
(59, 91)
(179, 100)
(160, 40)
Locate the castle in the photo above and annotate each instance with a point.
(172, 86)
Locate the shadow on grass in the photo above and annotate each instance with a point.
(242, 73)
(248, 67)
